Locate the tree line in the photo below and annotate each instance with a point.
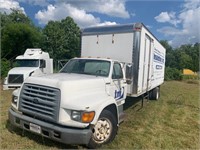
(184, 57)
(61, 39)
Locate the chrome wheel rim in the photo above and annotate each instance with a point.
(102, 130)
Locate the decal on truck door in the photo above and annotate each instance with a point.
(119, 94)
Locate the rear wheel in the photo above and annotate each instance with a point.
(154, 94)
(104, 130)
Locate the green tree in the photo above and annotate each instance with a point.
(16, 16)
(195, 57)
(166, 45)
(183, 60)
(54, 39)
(185, 56)
(72, 34)
(17, 34)
(193, 52)
(5, 67)
(170, 55)
(62, 39)
(17, 37)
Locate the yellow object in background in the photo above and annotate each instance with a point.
(188, 72)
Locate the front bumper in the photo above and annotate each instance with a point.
(11, 86)
(59, 133)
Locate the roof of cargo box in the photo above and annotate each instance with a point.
(111, 29)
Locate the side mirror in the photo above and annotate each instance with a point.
(42, 63)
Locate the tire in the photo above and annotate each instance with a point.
(104, 131)
(154, 94)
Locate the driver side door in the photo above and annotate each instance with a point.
(118, 84)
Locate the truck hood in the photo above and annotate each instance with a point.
(75, 88)
(59, 80)
(22, 70)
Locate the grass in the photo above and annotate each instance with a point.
(172, 122)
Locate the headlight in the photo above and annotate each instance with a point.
(76, 115)
(85, 117)
(14, 100)
(6, 80)
(15, 97)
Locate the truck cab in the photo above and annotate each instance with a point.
(33, 62)
(83, 103)
(111, 71)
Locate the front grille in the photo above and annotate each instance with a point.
(40, 102)
(15, 78)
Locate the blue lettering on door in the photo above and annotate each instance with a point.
(119, 94)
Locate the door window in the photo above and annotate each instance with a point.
(117, 71)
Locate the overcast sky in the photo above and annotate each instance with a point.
(175, 21)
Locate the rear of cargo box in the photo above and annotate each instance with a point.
(151, 64)
(132, 44)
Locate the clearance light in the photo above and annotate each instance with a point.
(137, 29)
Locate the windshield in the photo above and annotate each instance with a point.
(26, 63)
(87, 66)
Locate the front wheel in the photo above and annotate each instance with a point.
(104, 130)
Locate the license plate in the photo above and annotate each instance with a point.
(35, 128)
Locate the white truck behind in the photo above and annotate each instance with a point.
(34, 62)
(83, 104)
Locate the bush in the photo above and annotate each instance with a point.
(172, 74)
(5, 67)
(188, 77)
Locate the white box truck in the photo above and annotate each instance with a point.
(32, 63)
(83, 103)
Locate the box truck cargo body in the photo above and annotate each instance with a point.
(132, 44)
(83, 103)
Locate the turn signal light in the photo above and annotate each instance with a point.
(87, 117)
